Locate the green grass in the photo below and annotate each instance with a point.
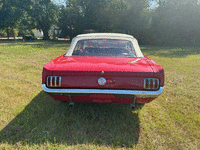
(30, 119)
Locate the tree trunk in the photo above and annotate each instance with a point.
(71, 35)
(54, 34)
(8, 34)
(45, 34)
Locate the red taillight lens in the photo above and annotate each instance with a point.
(53, 81)
(151, 83)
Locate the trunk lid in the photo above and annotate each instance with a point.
(119, 72)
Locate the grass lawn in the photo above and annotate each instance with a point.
(30, 119)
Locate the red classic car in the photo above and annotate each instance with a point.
(105, 68)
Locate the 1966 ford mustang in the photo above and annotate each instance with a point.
(105, 68)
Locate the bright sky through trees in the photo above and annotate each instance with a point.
(61, 2)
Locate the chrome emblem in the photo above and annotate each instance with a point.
(102, 72)
(102, 81)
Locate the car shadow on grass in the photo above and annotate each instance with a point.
(46, 120)
(171, 52)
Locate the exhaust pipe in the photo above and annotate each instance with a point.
(133, 103)
(71, 103)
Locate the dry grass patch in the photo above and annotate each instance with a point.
(30, 119)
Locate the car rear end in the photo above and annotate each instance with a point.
(120, 86)
(91, 72)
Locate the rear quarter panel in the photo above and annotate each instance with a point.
(158, 70)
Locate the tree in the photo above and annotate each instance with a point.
(9, 15)
(110, 15)
(78, 15)
(70, 22)
(176, 23)
(135, 19)
(26, 24)
(44, 14)
(103, 16)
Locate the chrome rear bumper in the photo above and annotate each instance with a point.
(137, 93)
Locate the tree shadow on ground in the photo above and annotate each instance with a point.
(36, 43)
(45, 119)
(171, 52)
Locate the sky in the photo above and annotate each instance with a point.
(152, 3)
(59, 2)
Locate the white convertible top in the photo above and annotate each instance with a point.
(105, 36)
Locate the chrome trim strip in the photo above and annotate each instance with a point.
(145, 83)
(149, 80)
(51, 81)
(47, 81)
(138, 93)
(154, 83)
(59, 81)
(55, 81)
(158, 83)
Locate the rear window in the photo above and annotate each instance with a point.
(104, 47)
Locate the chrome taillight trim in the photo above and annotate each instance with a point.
(149, 83)
(154, 82)
(157, 84)
(145, 83)
(148, 86)
(53, 81)
(47, 81)
(59, 81)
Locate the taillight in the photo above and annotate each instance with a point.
(53, 81)
(151, 83)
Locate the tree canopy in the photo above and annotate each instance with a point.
(104, 16)
(43, 13)
(170, 22)
(176, 23)
(9, 14)
(40, 14)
